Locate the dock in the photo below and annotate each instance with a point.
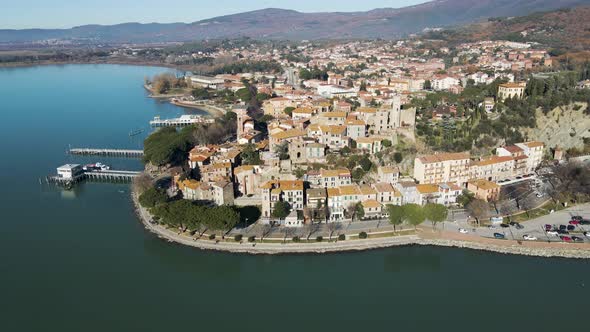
(182, 121)
(107, 152)
(103, 176)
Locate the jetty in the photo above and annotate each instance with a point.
(103, 176)
(182, 121)
(107, 152)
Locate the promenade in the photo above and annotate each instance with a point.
(424, 236)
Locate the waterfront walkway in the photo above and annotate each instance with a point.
(424, 236)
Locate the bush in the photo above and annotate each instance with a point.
(296, 239)
(363, 235)
(212, 237)
(251, 238)
(319, 239)
(238, 238)
(341, 237)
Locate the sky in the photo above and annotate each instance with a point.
(24, 14)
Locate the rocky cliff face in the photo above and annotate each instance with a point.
(564, 127)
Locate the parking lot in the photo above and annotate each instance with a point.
(535, 227)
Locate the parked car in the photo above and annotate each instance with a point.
(539, 195)
(578, 218)
(463, 231)
(563, 231)
(548, 227)
(552, 233)
(499, 236)
(562, 227)
(504, 225)
(575, 222)
(571, 227)
(566, 238)
(512, 223)
(587, 234)
(585, 222)
(529, 237)
(518, 226)
(577, 239)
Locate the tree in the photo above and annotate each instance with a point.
(250, 156)
(398, 157)
(333, 227)
(363, 86)
(311, 229)
(465, 198)
(386, 143)
(200, 93)
(479, 209)
(435, 213)
(359, 210)
(365, 163)
(414, 214)
(289, 111)
(396, 215)
(264, 231)
(282, 150)
(281, 210)
(152, 197)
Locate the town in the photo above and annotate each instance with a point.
(344, 132)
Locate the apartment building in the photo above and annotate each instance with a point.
(442, 167)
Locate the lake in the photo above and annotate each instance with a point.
(80, 261)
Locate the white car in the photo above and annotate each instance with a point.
(552, 233)
(463, 231)
(540, 195)
(529, 238)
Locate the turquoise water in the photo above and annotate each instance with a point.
(79, 261)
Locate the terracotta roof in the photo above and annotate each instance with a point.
(513, 149)
(367, 190)
(366, 110)
(383, 187)
(514, 85)
(371, 203)
(334, 115)
(389, 169)
(291, 185)
(350, 190)
(494, 160)
(427, 188)
(289, 134)
(440, 157)
(332, 192)
(336, 130)
(534, 144)
(484, 184)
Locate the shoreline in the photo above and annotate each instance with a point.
(542, 250)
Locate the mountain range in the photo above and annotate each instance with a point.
(271, 23)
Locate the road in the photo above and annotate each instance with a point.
(291, 77)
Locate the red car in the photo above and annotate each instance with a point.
(548, 227)
(574, 222)
(566, 238)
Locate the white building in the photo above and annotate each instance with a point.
(69, 171)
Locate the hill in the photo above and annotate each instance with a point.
(388, 23)
(563, 30)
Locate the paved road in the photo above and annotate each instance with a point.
(533, 227)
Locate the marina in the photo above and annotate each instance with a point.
(126, 153)
(182, 121)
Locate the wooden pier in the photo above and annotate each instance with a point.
(107, 152)
(102, 176)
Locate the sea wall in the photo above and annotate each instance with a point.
(349, 245)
